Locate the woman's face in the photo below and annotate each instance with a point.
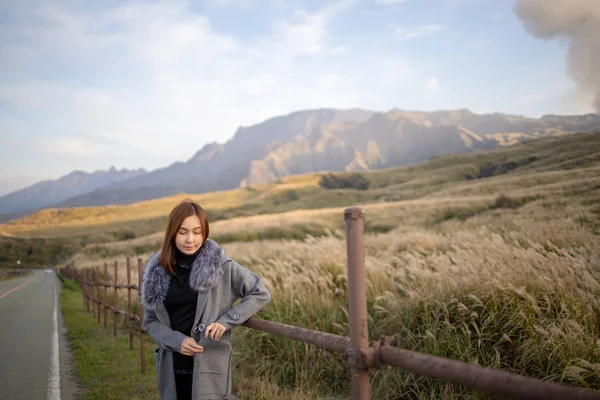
(189, 237)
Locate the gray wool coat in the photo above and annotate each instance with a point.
(219, 281)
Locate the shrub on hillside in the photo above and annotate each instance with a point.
(504, 201)
(492, 169)
(352, 181)
(125, 234)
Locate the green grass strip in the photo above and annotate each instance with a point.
(105, 366)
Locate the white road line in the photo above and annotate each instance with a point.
(54, 367)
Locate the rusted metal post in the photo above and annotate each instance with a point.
(98, 291)
(115, 302)
(359, 333)
(105, 293)
(141, 312)
(129, 314)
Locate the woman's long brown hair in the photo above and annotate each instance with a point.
(185, 209)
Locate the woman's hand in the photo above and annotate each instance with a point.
(215, 331)
(189, 347)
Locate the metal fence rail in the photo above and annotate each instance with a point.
(361, 355)
(473, 376)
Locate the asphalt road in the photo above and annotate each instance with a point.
(34, 359)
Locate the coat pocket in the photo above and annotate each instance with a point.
(212, 367)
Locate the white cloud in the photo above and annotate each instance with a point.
(433, 84)
(12, 138)
(390, 2)
(396, 70)
(228, 2)
(245, 4)
(419, 31)
(71, 146)
(460, 3)
(305, 35)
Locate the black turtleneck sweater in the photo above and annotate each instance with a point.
(181, 304)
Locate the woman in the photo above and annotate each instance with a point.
(188, 291)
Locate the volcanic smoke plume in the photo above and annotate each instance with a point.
(579, 22)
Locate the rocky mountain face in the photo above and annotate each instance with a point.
(224, 166)
(328, 140)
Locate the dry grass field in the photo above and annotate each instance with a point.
(501, 270)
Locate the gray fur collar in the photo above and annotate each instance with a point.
(205, 273)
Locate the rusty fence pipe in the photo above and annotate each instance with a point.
(317, 338)
(357, 297)
(477, 377)
(480, 378)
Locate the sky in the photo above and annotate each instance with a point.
(86, 85)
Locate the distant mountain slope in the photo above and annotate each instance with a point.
(348, 140)
(220, 166)
(225, 166)
(50, 192)
(330, 140)
(538, 163)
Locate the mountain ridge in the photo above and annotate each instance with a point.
(326, 139)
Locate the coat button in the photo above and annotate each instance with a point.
(195, 330)
(236, 316)
(202, 327)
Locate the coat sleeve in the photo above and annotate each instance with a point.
(254, 294)
(161, 333)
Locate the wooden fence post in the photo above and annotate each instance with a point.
(92, 290)
(115, 302)
(105, 294)
(80, 281)
(83, 287)
(141, 313)
(98, 290)
(129, 313)
(87, 288)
